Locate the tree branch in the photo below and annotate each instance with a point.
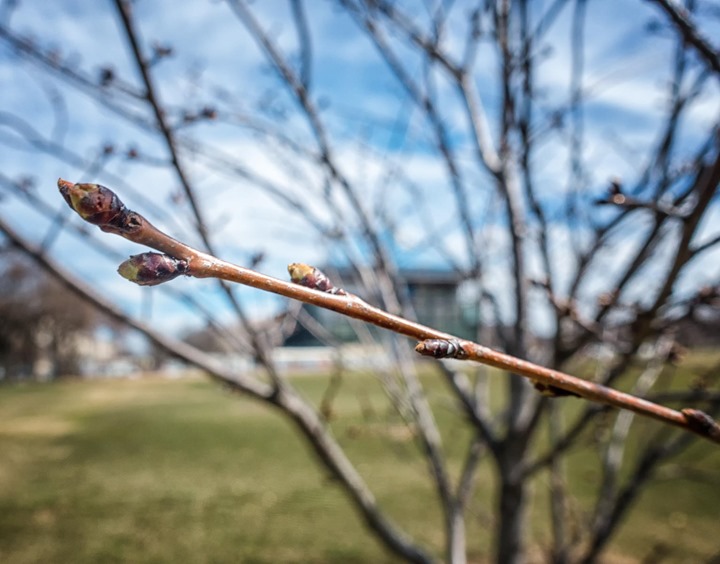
(689, 31)
(96, 204)
(125, 10)
(286, 399)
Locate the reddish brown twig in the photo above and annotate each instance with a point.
(586, 389)
(617, 197)
(100, 206)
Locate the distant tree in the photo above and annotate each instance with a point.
(40, 321)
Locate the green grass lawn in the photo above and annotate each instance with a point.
(158, 470)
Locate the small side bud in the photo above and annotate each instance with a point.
(93, 202)
(441, 348)
(701, 423)
(553, 391)
(151, 269)
(312, 277)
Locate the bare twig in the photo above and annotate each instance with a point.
(327, 155)
(175, 348)
(555, 379)
(615, 452)
(647, 463)
(102, 207)
(125, 10)
(285, 398)
(707, 245)
(233, 338)
(558, 493)
(425, 102)
(126, 16)
(617, 197)
(303, 30)
(689, 31)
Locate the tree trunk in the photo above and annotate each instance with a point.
(512, 513)
(512, 503)
(457, 548)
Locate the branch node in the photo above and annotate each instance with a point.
(151, 269)
(701, 423)
(441, 348)
(551, 391)
(312, 277)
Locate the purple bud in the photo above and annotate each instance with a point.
(312, 277)
(94, 203)
(701, 422)
(441, 348)
(151, 269)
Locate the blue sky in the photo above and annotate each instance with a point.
(216, 63)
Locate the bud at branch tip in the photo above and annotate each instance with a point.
(151, 269)
(93, 202)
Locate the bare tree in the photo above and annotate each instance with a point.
(599, 266)
(42, 325)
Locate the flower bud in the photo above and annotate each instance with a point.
(701, 423)
(441, 348)
(312, 277)
(151, 269)
(94, 203)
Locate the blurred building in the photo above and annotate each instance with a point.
(433, 294)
